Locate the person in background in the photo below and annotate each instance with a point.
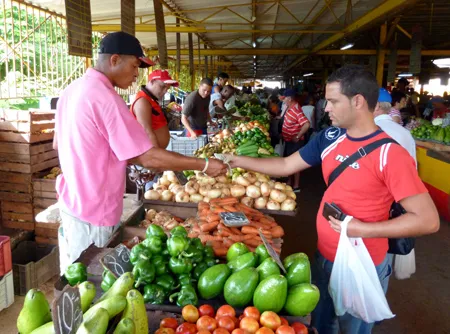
(309, 111)
(97, 137)
(219, 99)
(398, 103)
(440, 110)
(195, 115)
(148, 112)
(295, 126)
(364, 190)
(273, 106)
(222, 80)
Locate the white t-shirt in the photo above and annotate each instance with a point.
(214, 97)
(398, 133)
(309, 113)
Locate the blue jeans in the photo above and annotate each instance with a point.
(324, 318)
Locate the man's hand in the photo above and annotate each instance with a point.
(216, 167)
(193, 135)
(295, 139)
(232, 160)
(353, 227)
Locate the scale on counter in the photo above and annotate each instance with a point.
(141, 177)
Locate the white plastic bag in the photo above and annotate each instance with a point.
(354, 283)
(279, 148)
(405, 265)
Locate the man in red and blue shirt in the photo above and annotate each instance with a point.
(365, 190)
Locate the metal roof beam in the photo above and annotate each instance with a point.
(203, 30)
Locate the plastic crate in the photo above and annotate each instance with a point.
(5, 255)
(6, 291)
(33, 264)
(186, 145)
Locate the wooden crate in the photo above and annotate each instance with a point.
(44, 188)
(26, 126)
(46, 230)
(27, 158)
(17, 215)
(47, 241)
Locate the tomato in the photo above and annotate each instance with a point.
(187, 328)
(169, 323)
(264, 330)
(236, 322)
(203, 331)
(225, 311)
(238, 331)
(270, 320)
(299, 328)
(190, 314)
(242, 316)
(285, 330)
(221, 331)
(206, 310)
(249, 325)
(252, 312)
(284, 321)
(227, 323)
(206, 322)
(165, 331)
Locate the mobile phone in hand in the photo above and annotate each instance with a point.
(332, 210)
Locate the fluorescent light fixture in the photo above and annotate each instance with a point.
(300, 81)
(254, 44)
(405, 75)
(348, 46)
(442, 63)
(254, 57)
(308, 74)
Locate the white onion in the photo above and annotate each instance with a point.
(226, 192)
(238, 191)
(288, 188)
(182, 197)
(280, 186)
(174, 184)
(164, 181)
(206, 199)
(214, 193)
(262, 177)
(278, 196)
(195, 198)
(260, 203)
(250, 177)
(222, 179)
(189, 188)
(288, 205)
(171, 176)
(291, 194)
(204, 190)
(272, 205)
(247, 201)
(253, 191)
(265, 189)
(178, 188)
(166, 195)
(152, 195)
(242, 181)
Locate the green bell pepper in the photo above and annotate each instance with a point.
(180, 265)
(176, 245)
(154, 294)
(211, 261)
(139, 252)
(76, 273)
(160, 265)
(155, 231)
(165, 253)
(199, 269)
(195, 254)
(185, 279)
(186, 296)
(178, 230)
(167, 282)
(154, 244)
(208, 252)
(143, 272)
(108, 280)
(197, 243)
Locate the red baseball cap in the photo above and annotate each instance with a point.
(164, 76)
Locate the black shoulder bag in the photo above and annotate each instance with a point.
(401, 246)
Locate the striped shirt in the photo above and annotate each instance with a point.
(294, 119)
(395, 112)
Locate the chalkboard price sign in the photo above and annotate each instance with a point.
(118, 261)
(66, 311)
(272, 252)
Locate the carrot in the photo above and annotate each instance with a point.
(250, 236)
(218, 209)
(224, 233)
(250, 248)
(265, 220)
(276, 249)
(220, 251)
(277, 231)
(209, 227)
(223, 227)
(224, 201)
(237, 238)
(230, 208)
(203, 205)
(235, 230)
(193, 235)
(206, 237)
(196, 229)
(266, 233)
(249, 230)
(253, 242)
(258, 225)
(212, 217)
(228, 242)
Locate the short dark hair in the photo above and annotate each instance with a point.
(354, 80)
(206, 81)
(223, 75)
(397, 96)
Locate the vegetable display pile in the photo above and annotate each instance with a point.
(252, 189)
(433, 132)
(163, 218)
(211, 229)
(206, 320)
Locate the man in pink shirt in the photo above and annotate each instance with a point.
(96, 137)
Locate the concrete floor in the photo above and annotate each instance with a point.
(421, 303)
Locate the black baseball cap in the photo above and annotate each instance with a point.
(121, 43)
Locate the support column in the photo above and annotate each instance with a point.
(381, 54)
(206, 63)
(191, 61)
(178, 60)
(160, 33)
